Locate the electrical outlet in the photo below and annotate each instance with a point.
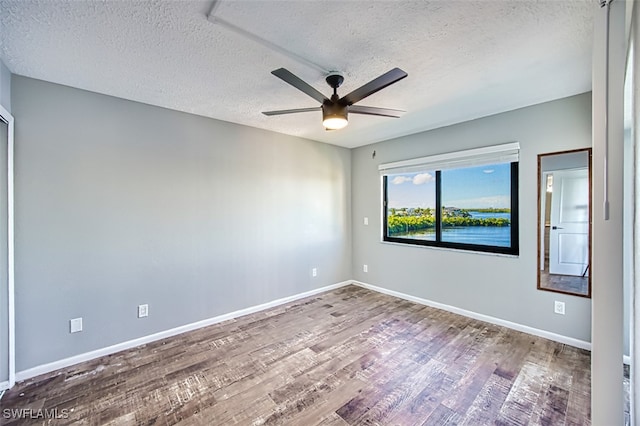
(558, 307)
(314, 272)
(75, 325)
(366, 220)
(365, 268)
(143, 311)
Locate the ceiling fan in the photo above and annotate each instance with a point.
(335, 109)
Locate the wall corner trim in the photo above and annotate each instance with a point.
(486, 318)
(87, 356)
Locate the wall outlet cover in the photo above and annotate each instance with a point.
(75, 325)
(143, 311)
(558, 307)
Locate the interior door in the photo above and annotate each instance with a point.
(569, 235)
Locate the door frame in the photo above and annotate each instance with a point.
(6, 117)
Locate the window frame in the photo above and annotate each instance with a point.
(514, 249)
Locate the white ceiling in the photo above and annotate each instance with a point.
(465, 59)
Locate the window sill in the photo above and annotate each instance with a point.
(484, 253)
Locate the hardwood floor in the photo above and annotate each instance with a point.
(564, 283)
(627, 394)
(345, 357)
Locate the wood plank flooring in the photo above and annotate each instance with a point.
(564, 283)
(346, 357)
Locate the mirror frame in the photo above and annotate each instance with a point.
(588, 150)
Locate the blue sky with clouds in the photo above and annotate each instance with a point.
(467, 188)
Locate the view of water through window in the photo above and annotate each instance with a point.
(476, 205)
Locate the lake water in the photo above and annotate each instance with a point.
(480, 215)
(482, 235)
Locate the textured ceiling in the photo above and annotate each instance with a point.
(465, 59)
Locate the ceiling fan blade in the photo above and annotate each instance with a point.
(299, 84)
(373, 86)
(291, 111)
(367, 110)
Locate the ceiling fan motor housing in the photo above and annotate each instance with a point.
(334, 109)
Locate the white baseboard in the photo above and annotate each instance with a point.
(486, 318)
(87, 356)
(47, 368)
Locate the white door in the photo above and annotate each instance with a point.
(569, 236)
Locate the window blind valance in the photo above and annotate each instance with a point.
(496, 154)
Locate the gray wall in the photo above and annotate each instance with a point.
(573, 160)
(498, 286)
(5, 87)
(120, 203)
(607, 339)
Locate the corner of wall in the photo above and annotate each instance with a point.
(5, 86)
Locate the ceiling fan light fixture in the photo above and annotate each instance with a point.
(334, 117)
(335, 123)
(336, 108)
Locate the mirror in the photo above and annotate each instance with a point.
(564, 222)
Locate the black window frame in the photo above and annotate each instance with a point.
(514, 249)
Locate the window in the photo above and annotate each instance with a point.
(466, 200)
